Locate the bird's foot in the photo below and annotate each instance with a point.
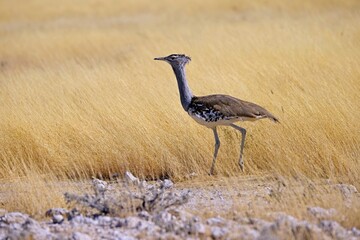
(241, 164)
(211, 173)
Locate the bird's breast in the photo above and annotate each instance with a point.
(209, 117)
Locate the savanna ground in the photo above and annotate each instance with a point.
(80, 96)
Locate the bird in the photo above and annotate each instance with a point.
(214, 110)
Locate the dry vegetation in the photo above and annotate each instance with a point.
(81, 96)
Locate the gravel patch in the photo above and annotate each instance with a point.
(162, 211)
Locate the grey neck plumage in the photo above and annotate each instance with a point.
(184, 89)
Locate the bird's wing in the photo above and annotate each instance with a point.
(233, 108)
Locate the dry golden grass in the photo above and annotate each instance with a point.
(80, 94)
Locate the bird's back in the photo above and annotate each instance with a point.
(224, 107)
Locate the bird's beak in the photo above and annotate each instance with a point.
(160, 58)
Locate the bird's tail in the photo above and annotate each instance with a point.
(274, 119)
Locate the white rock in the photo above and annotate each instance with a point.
(162, 218)
(248, 233)
(99, 186)
(14, 217)
(346, 189)
(218, 233)
(321, 213)
(133, 222)
(121, 236)
(104, 220)
(355, 232)
(167, 183)
(57, 218)
(146, 226)
(268, 190)
(131, 178)
(347, 192)
(334, 229)
(144, 184)
(181, 214)
(144, 215)
(218, 221)
(117, 222)
(287, 227)
(83, 220)
(80, 236)
(57, 214)
(199, 228)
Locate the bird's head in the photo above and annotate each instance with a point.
(175, 59)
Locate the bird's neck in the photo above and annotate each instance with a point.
(184, 89)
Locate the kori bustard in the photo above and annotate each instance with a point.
(214, 110)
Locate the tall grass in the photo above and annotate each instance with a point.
(80, 94)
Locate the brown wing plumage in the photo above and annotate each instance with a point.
(233, 107)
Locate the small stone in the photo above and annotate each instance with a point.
(73, 213)
(57, 214)
(14, 217)
(122, 236)
(162, 218)
(269, 191)
(218, 233)
(346, 189)
(57, 219)
(132, 222)
(104, 220)
(334, 229)
(83, 220)
(144, 184)
(131, 178)
(167, 183)
(249, 233)
(217, 221)
(287, 227)
(199, 228)
(165, 221)
(99, 186)
(80, 236)
(355, 232)
(117, 222)
(139, 224)
(321, 213)
(144, 215)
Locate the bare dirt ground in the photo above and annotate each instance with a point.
(204, 209)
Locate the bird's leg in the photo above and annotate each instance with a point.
(217, 145)
(243, 134)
